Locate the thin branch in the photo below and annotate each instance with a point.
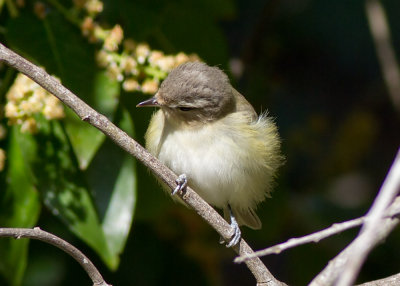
(88, 114)
(317, 236)
(393, 280)
(375, 217)
(375, 229)
(384, 48)
(297, 241)
(49, 238)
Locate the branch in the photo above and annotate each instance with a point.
(336, 228)
(393, 280)
(347, 264)
(375, 217)
(44, 236)
(384, 48)
(297, 241)
(88, 114)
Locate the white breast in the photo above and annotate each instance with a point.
(222, 165)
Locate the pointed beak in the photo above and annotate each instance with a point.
(149, 103)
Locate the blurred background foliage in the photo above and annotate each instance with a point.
(311, 64)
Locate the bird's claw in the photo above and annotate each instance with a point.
(237, 234)
(181, 184)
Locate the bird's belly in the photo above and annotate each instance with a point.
(213, 166)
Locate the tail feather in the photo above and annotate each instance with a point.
(245, 217)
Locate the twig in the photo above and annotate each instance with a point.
(384, 49)
(316, 236)
(44, 236)
(375, 216)
(297, 241)
(88, 114)
(375, 229)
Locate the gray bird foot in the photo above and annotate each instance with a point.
(237, 234)
(181, 184)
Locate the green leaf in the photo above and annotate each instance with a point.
(112, 177)
(19, 204)
(119, 215)
(85, 139)
(64, 190)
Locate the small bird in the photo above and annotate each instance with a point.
(209, 133)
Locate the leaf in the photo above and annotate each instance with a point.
(118, 218)
(64, 190)
(20, 205)
(86, 139)
(113, 169)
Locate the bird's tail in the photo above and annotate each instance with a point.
(245, 217)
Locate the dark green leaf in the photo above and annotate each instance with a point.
(63, 189)
(86, 139)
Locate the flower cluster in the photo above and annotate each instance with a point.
(25, 98)
(138, 67)
(135, 65)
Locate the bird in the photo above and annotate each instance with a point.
(207, 132)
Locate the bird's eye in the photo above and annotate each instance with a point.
(183, 108)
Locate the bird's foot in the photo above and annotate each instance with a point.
(237, 234)
(181, 184)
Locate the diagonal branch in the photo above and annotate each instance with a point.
(374, 219)
(88, 114)
(297, 241)
(49, 238)
(336, 228)
(347, 264)
(387, 281)
(384, 49)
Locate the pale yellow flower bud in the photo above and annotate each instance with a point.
(149, 86)
(130, 84)
(29, 126)
(114, 38)
(142, 52)
(94, 6)
(181, 58)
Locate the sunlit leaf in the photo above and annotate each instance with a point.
(120, 211)
(112, 178)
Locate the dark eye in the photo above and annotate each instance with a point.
(183, 108)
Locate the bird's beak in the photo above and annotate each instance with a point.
(149, 103)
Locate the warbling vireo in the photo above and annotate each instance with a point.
(209, 132)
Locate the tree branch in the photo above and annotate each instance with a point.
(393, 280)
(384, 48)
(346, 265)
(49, 238)
(336, 228)
(363, 244)
(88, 114)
